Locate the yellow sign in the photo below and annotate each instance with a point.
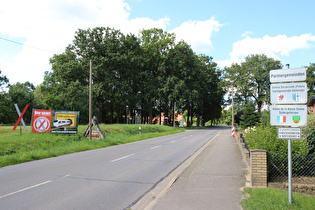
(68, 117)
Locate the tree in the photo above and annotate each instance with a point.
(210, 93)
(176, 82)
(3, 81)
(252, 78)
(258, 68)
(156, 45)
(22, 94)
(6, 110)
(250, 117)
(146, 74)
(238, 79)
(311, 80)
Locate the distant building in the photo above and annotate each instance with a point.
(165, 119)
(311, 105)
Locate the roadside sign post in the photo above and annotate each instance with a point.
(19, 113)
(285, 110)
(20, 117)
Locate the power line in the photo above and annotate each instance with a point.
(19, 43)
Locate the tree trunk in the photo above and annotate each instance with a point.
(151, 110)
(188, 115)
(191, 116)
(198, 120)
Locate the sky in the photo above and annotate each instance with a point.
(32, 31)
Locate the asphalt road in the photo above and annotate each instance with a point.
(109, 178)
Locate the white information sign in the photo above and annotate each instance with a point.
(288, 115)
(289, 133)
(181, 123)
(288, 93)
(288, 75)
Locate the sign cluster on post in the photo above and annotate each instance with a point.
(288, 95)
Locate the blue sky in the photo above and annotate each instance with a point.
(227, 30)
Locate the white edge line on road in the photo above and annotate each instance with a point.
(172, 142)
(28, 188)
(156, 147)
(127, 156)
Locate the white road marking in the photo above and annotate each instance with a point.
(28, 188)
(127, 156)
(156, 147)
(172, 142)
(185, 137)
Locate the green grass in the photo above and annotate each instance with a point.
(268, 198)
(16, 148)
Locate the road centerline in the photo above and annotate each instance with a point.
(121, 158)
(24, 189)
(156, 147)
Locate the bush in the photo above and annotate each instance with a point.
(309, 133)
(267, 138)
(311, 142)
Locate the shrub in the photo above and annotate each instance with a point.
(267, 138)
(309, 133)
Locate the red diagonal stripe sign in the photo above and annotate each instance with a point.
(17, 122)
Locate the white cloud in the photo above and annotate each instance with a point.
(51, 25)
(138, 24)
(198, 33)
(275, 47)
(247, 33)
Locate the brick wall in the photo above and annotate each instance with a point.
(258, 159)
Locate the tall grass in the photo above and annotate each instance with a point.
(16, 148)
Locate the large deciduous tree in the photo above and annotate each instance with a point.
(311, 80)
(22, 94)
(156, 45)
(5, 102)
(251, 78)
(131, 75)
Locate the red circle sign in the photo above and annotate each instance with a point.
(41, 124)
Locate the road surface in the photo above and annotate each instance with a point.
(108, 178)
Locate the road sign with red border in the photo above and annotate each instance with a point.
(41, 121)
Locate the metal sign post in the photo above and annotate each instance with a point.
(20, 118)
(19, 113)
(288, 115)
(290, 171)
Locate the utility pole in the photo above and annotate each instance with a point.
(90, 101)
(232, 106)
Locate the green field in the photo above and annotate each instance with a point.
(16, 148)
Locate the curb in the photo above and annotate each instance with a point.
(152, 197)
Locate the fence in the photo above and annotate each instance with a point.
(276, 175)
(303, 168)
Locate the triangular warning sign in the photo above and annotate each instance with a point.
(97, 133)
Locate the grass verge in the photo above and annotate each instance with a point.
(16, 148)
(269, 198)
